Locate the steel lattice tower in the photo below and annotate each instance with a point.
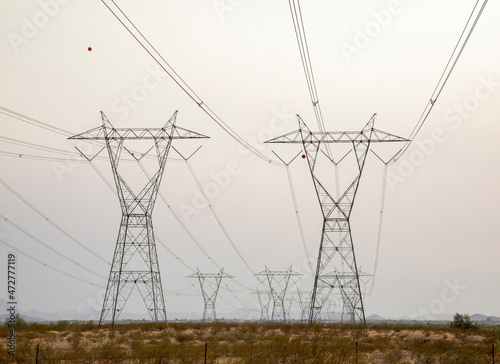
(304, 303)
(135, 260)
(264, 298)
(209, 294)
(336, 266)
(278, 284)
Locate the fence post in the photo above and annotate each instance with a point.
(356, 351)
(493, 352)
(36, 359)
(206, 344)
(251, 352)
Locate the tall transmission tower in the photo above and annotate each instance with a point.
(135, 261)
(209, 292)
(278, 284)
(264, 298)
(336, 266)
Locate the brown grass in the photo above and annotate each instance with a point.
(251, 342)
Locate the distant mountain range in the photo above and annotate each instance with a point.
(476, 318)
(241, 314)
(93, 315)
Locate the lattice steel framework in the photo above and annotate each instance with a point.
(336, 266)
(209, 292)
(278, 284)
(304, 304)
(264, 298)
(135, 260)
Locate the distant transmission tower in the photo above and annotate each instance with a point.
(135, 261)
(278, 284)
(209, 292)
(336, 267)
(304, 303)
(289, 304)
(264, 298)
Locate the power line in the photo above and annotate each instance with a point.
(300, 34)
(32, 121)
(46, 218)
(33, 157)
(452, 61)
(380, 222)
(51, 128)
(35, 146)
(296, 209)
(177, 293)
(156, 236)
(49, 247)
(176, 216)
(226, 233)
(299, 221)
(50, 266)
(212, 209)
(181, 83)
(450, 66)
(185, 228)
(193, 237)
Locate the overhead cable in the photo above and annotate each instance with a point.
(46, 218)
(450, 66)
(158, 58)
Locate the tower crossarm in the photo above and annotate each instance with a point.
(265, 273)
(210, 275)
(371, 135)
(109, 132)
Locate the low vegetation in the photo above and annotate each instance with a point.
(252, 342)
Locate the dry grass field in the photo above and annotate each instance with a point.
(250, 342)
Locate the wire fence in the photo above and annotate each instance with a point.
(247, 353)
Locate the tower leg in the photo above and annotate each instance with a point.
(337, 270)
(135, 265)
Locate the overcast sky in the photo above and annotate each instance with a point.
(439, 249)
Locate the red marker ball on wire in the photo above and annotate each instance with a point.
(303, 155)
(89, 48)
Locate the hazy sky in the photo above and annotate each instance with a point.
(439, 250)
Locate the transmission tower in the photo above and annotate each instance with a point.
(336, 266)
(264, 298)
(330, 311)
(278, 284)
(135, 261)
(304, 303)
(289, 304)
(209, 292)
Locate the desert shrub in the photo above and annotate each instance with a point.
(20, 322)
(183, 337)
(110, 351)
(497, 333)
(462, 322)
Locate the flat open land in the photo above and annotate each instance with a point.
(250, 342)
